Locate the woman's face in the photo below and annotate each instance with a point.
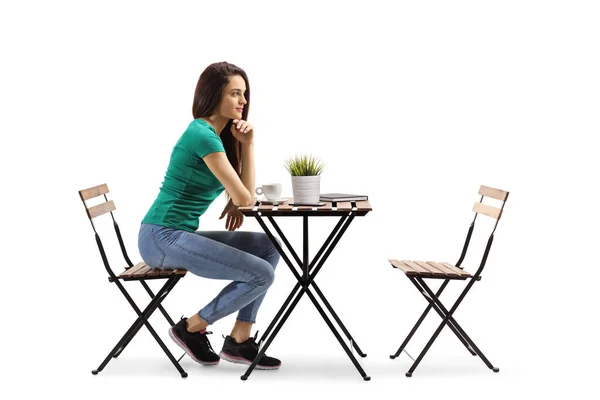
(233, 98)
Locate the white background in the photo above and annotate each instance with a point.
(414, 103)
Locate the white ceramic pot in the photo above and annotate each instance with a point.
(306, 189)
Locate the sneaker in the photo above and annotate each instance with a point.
(246, 352)
(196, 344)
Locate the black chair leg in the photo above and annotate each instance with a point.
(131, 336)
(447, 319)
(452, 321)
(143, 320)
(429, 307)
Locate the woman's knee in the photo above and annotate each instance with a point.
(265, 274)
(263, 240)
(272, 253)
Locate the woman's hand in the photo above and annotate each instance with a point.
(242, 131)
(235, 218)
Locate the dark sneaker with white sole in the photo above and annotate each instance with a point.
(196, 344)
(246, 352)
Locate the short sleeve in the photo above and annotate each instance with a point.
(206, 141)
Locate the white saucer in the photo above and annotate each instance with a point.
(273, 202)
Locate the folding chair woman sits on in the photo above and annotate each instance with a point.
(140, 272)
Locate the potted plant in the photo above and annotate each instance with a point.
(306, 178)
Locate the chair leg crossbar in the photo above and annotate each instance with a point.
(447, 319)
(142, 320)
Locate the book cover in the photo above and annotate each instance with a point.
(342, 197)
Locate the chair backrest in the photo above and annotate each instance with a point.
(96, 211)
(108, 206)
(490, 211)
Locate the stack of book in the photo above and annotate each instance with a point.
(342, 197)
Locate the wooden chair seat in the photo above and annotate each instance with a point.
(144, 271)
(430, 269)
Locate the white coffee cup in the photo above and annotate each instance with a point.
(271, 191)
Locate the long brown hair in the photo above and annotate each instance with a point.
(206, 100)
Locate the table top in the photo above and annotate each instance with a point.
(358, 208)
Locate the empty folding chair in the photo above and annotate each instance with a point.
(418, 271)
(140, 272)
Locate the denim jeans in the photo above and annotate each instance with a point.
(248, 259)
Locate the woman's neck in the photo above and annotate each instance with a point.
(217, 122)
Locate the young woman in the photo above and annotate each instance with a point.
(215, 153)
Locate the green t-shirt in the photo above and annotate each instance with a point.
(189, 186)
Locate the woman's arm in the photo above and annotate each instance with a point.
(221, 168)
(248, 175)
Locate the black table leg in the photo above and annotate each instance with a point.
(338, 320)
(304, 282)
(272, 336)
(337, 336)
(332, 239)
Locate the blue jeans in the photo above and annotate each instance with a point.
(246, 258)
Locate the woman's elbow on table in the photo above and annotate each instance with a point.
(244, 201)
